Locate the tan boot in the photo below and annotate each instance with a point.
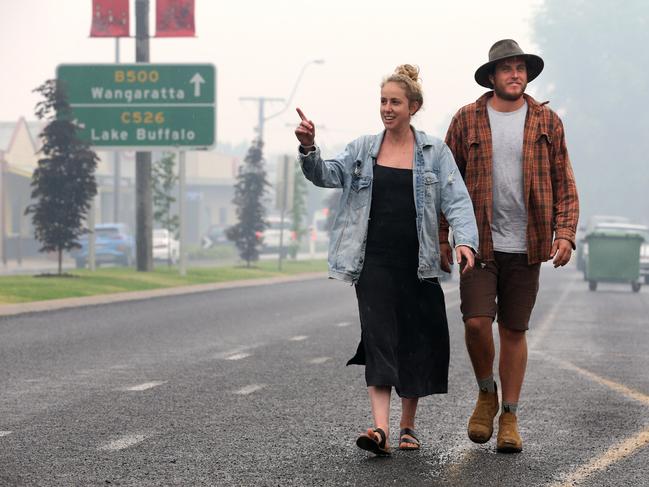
(509, 441)
(481, 423)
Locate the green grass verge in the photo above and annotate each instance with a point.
(22, 289)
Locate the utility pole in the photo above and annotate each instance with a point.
(262, 118)
(117, 173)
(3, 209)
(143, 191)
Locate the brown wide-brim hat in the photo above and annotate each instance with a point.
(504, 49)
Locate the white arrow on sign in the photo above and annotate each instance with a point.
(197, 80)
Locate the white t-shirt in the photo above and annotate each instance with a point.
(509, 222)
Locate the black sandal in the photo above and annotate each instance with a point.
(368, 442)
(413, 441)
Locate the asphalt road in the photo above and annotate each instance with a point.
(248, 387)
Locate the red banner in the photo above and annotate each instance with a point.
(110, 18)
(175, 18)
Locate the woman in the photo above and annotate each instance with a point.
(385, 241)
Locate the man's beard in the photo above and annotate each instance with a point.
(507, 96)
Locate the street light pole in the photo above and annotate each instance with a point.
(263, 99)
(297, 82)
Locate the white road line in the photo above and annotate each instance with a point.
(238, 356)
(233, 351)
(122, 443)
(145, 386)
(244, 391)
(612, 455)
(319, 360)
(298, 338)
(343, 324)
(4, 433)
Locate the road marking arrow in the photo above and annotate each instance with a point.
(197, 80)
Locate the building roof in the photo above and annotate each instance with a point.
(8, 130)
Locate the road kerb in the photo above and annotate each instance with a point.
(58, 304)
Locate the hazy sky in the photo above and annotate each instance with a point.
(259, 47)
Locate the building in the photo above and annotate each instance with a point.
(210, 178)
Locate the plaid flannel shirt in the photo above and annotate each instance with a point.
(549, 184)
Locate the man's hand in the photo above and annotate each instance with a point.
(446, 256)
(465, 254)
(561, 252)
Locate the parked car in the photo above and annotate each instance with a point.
(114, 244)
(215, 235)
(270, 237)
(319, 233)
(631, 227)
(165, 246)
(593, 221)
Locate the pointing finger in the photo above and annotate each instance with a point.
(301, 114)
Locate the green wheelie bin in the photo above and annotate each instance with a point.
(613, 256)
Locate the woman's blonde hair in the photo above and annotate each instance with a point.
(408, 76)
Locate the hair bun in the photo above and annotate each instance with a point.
(409, 71)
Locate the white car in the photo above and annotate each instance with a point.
(270, 237)
(319, 232)
(165, 246)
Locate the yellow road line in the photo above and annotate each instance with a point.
(616, 386)
(611, 456)
(617, 452)
(541, 330)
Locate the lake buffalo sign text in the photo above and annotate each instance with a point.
(142, 106)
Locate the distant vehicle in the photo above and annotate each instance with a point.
(269, 238)
(165, 246)
(319, 233)
(644, 248)
(114, 244)
(593, 221)
(215, 235)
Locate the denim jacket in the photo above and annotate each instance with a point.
(437, 186)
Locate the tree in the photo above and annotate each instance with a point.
(249, 192)
(63, 184)
(596, 76)
(164, 183)
(332, 203)
(298, 209)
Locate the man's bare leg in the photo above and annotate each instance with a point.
(479, 339)
(512, 363)
(480, 345)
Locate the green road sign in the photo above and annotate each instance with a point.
(161, 126)
(143, 106)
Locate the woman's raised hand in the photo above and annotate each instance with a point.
(305, 132)
(465, 254)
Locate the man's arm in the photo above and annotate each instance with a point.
(564, 190)
(565, 199)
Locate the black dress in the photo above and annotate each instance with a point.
(404, 332)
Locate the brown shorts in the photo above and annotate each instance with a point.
(506, 287)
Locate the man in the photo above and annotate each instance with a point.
(512, 154)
